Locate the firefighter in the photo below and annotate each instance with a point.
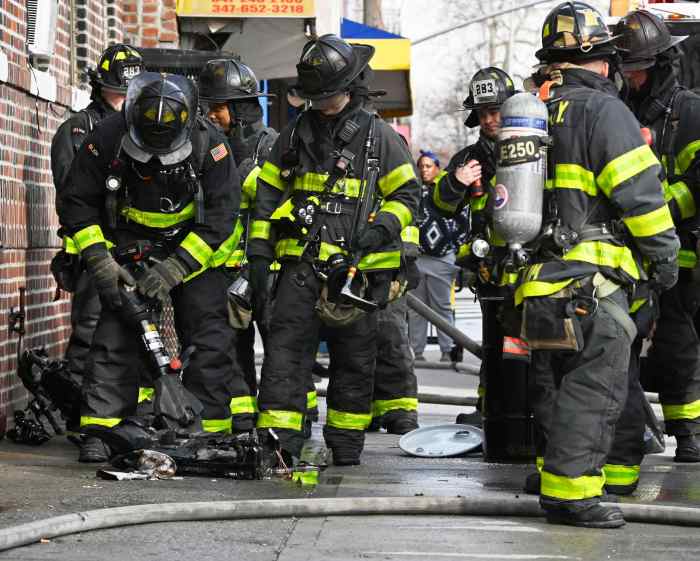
(117, 65)
(156, 172)
(304, 215)
(649, 55)
(230, 96)
(606, 213)
(466, 180)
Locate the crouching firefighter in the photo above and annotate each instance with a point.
(159, 174)
(604, 212)
(311, 191)
(229, 96)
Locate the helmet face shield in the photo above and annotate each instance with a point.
(160, 112)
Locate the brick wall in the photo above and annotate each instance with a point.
(27, 125)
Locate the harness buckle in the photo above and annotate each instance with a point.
(332, 207)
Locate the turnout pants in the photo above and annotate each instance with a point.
(588, 390)
(293, 337)
(117, 357)
(84, 314)
(395, 384)
(673, 361)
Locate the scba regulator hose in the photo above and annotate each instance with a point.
(511, 505)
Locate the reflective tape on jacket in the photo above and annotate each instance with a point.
(686, 156)
(88, 236)
(625, 167)
(380, 260)
(620, 474)
(69, 246)
(604, 255)
(539, 463)
(259, 229)
(650, 223)
(242, 405)
(200, 250)
(396, 178)
(277, 419)
(217, 425)
(348, 421)
(571, 488)
(311, 400)
(437, 201)
(270, 174)
(687, 259)
(574, 176)
(158, 219)
(145, 394)
(680, 193)
(316, 183)
(100, 421)
(223, 253)
(465, 250)
(410, 234)
(637, 304)
(680, 412)
(399, 210)
(383, 406)
(531, 289)
(479, 203)
(250, 184)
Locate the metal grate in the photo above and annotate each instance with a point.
(32, 9)
(167, 330)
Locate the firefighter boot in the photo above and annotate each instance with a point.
(687, 449)
(345, 457)
(93, 451)
(585, 514)
(401, 425)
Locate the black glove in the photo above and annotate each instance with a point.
(259, 273)
(66, 269)
(373, 238)
(663, 275)
(161, 278)
(106, 273)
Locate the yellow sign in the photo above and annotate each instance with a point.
(247, 8)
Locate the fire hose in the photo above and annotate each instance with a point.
(511, 505)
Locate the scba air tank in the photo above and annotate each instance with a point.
(521, 169)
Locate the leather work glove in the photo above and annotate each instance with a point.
(372, 238)
(259, 273)
(161, 278)
(663, 275)
(106, 273)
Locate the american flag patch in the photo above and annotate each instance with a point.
(219, 152)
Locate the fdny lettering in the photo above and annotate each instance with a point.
(558, 118)
(94, 150)
(219, 152)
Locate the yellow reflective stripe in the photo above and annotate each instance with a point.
(410, 234)
(605, 255)
(69, 246)
(316, 183)
(242, 405)
(103, 422)
(381, 260)
(624, 167)
(259, 229)
(620, 474)
(481, 391)
(216, 425)
(571, 488)
(649, 224)
(284, 212)
(294, 248)
(250, 184)
(398, 209)
(479, 203)
(197, 248)
(311, 400)
(306, 477)
(145, 394)
(574, 176)
(683, 197)
(465, 250)
(667, 191)
(687, 259)
(236, 258)
(383, 406)
(226, 249)
(636, 304)
(686, 156)
(396, 178)
(437, 201)
(532, 289)
(88, 236)
(270, 174)
(539, 463)
(508, 279)
(277, 419)
(158, 219)
(495, 238)
(684, 411)
(348, 421)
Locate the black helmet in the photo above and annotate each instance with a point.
(224, 79)
(641, 36)
(328, 65)
(118, 64)
(575, 32)
(489, 87)
(160, 112)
